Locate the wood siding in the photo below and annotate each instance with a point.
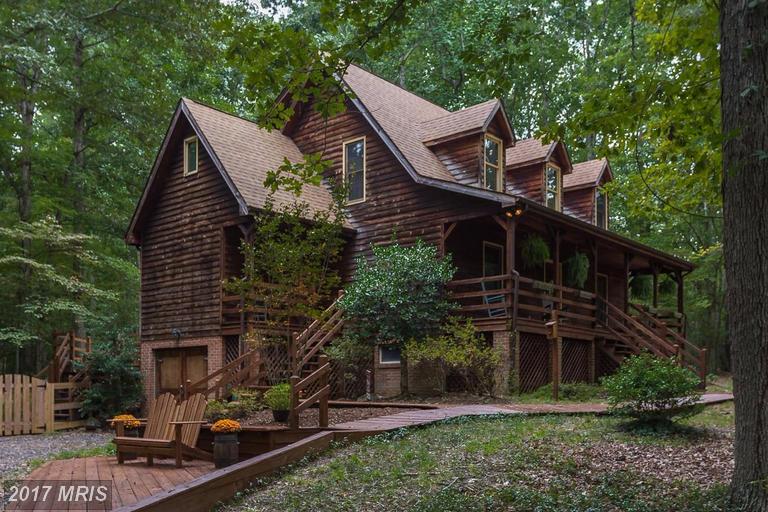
(394, 202)
(463, 158)
(526, 181)
(580, 203)
(181, 244)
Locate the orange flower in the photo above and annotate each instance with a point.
(129, 420)
(226, 427)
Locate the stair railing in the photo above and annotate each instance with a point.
(306, 345)
(318, 378)
(241, 371)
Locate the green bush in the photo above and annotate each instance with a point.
(216, 410)
(651, 389)
(278, 397)
(115, 382)
(399, 295)
(458, 348)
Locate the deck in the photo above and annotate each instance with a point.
(131, 482)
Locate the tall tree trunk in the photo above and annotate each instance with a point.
(744, 103)
(79, 132)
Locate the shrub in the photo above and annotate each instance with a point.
(397, 296)
(115, 382)
(216, 410)
(278, 397)
(652, 389)
(458, 348)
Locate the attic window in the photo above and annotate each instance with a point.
(190, 156)
(492, 175)
(354, 170)
(553, 179)
(601, 208)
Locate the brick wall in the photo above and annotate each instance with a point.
(502, 342)
(215, 346)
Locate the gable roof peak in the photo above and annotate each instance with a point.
(588, 174)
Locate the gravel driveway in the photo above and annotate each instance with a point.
(17, 451)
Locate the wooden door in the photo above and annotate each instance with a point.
(178, 367)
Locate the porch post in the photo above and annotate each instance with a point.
(627, 257)
(558, 270)
(680, 294)
(510, 245)
(655, 287)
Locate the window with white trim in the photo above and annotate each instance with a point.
(191, 156)
(553, 180)
(493, 168)
(354, 169)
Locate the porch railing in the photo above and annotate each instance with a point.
(490, 297)
(538, 299)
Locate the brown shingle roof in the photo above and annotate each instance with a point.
(407, 119)
(529, 151)
(247, 152)
(398, 112)
(468, 120)
(587, 174)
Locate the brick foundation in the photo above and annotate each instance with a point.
(501, 342)
(215, 346)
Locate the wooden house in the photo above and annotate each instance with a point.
(458, 180)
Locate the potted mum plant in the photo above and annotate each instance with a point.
(126, 425)
(225, 444)
(278, 398)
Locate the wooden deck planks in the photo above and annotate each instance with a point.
(131, 482)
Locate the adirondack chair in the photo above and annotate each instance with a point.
(172, 431)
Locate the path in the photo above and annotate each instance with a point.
(413, 418)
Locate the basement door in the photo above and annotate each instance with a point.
(175, 367)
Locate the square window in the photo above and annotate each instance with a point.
(389, 354)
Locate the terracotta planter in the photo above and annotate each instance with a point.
(226, 449)
(280, 416)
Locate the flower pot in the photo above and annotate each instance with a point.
(280, 416)
(225, 449)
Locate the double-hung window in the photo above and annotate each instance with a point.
(493, 167)
(552, 185)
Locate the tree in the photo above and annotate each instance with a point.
(744, 103)
(398, 296)
(291, 259)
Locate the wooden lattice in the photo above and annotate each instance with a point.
(276, 363)
(348, 380)
(534, 361)
(231, 348)
(575, 361)
(604, 364)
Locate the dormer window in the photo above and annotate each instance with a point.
(601, 208)
(492, 175)
(190, 156)
(553, 180)
(354, 170)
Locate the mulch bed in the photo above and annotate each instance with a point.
(336, 415)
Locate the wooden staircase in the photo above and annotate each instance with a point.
(68, 349)
(630, 335)
(244, 371)
(306, 347)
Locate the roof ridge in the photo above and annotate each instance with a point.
(452, 112)
(399, 86)
(217, 109)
